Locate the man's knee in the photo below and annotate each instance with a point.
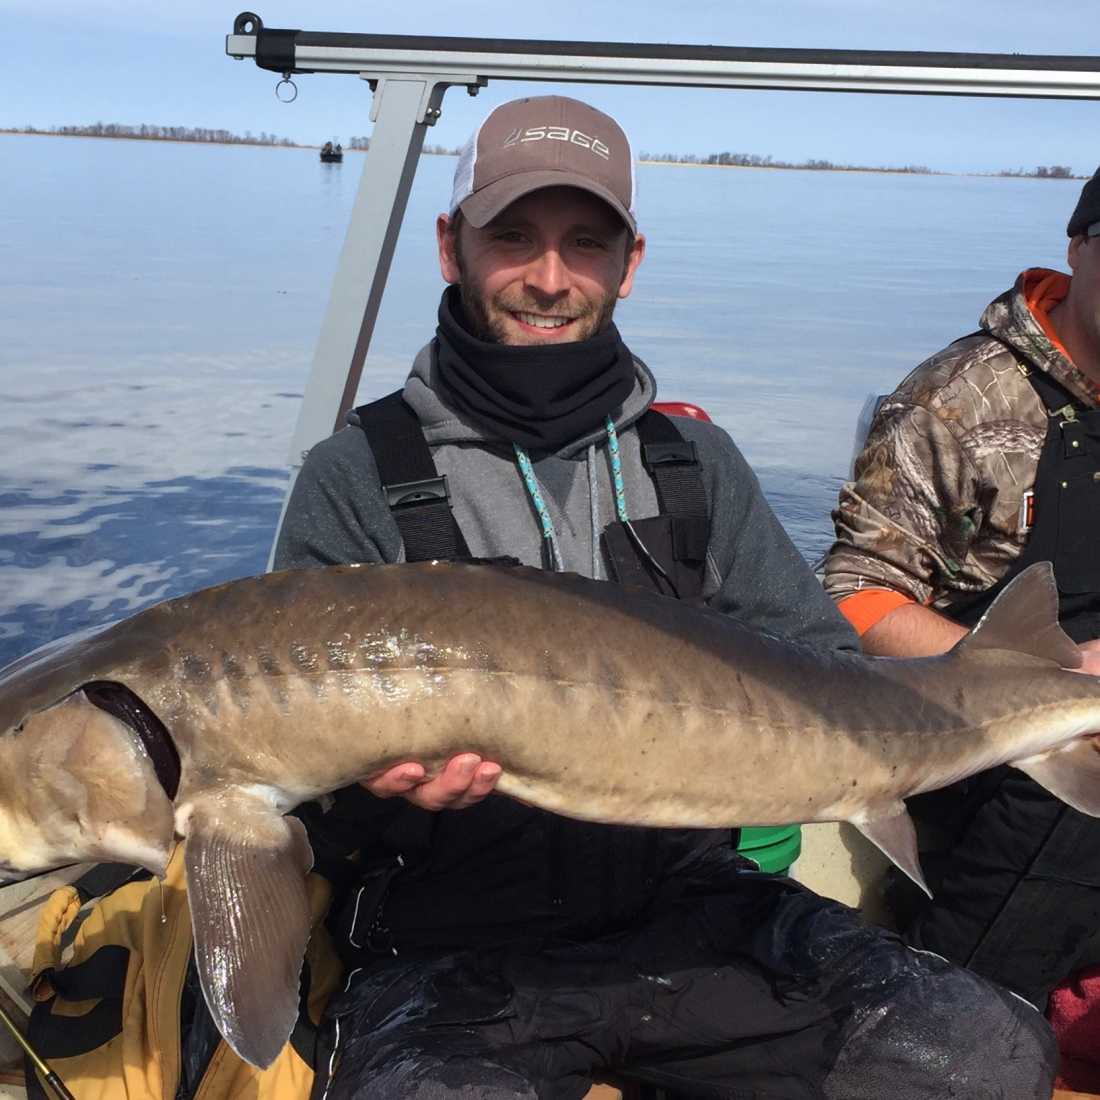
(945, 1032)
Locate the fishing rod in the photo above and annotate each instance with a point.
(46, 1072)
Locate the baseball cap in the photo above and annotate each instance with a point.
(543, 141)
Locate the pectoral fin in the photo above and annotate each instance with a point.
(1071, 773)
(890, 828)
(246, 869)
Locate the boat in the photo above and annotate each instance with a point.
(332, 154)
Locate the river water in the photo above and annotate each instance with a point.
(159, 304)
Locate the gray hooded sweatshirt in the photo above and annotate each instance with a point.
(499, 871)
(337, 512)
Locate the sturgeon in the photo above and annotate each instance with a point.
(599, 702)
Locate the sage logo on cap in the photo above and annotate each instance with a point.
(559, 133)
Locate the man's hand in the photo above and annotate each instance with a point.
(466, 779)
(1090, 652)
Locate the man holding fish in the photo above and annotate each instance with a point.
(501, 951)
(985, 460)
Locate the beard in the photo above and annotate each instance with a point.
(486, 321)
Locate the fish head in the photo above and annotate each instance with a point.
(76, 786)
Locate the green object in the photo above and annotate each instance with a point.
(773, 849)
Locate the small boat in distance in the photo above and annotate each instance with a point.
(331, 154)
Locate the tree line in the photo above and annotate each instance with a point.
(148, 132)
(755, 160)
(1042, 172)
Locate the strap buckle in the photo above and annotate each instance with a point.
(404, 493)
(677, 452)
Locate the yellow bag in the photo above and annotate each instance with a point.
(108, 981)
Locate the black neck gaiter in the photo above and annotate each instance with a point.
(539, 396)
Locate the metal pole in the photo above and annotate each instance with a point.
(913, 72)
(402, 110)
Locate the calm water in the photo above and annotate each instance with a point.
(159, 304)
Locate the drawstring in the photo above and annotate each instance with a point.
(548, 532)
(550, 536)
(616, 471)
(620, 508)
(593, 509)
(540, 507)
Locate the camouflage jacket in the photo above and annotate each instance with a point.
(935, 510)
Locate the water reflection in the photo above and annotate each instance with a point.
(160, 302)
(74, 560)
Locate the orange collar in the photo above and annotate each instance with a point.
(1043, 290)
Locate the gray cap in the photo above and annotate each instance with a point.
(1087, 211)
(544, 141)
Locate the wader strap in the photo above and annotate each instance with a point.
(1056, 398)
(1063, 526)
(673, 465)
(1062, 407)
(667, 552)
(417, 496)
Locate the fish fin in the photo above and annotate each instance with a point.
(891, 831)
(246, 884)
(1071, 772)
(1024, 619)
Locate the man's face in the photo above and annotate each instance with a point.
(547, 270)
(1084, 294)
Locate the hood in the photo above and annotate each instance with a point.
(427, 395)
(1019, 319)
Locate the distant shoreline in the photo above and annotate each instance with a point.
(797, 168)
(664, 162)
(281, 144)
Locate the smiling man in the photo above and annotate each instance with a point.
(503, 952)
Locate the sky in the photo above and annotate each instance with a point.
(71, 62)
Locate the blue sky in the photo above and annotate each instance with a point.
(126, 61)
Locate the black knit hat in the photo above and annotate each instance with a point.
(1088, 207)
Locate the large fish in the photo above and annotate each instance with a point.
(210, 716)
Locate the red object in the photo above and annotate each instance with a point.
(1074, 1014)
(680, 408)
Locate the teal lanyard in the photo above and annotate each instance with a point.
(526, 469)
